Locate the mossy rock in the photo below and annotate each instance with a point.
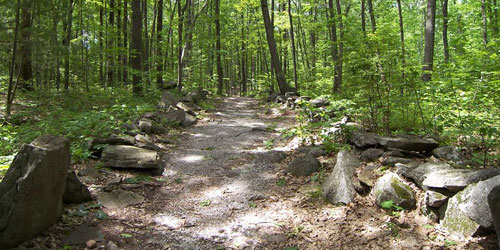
(391, 187)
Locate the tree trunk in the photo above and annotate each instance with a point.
(26, 52)
(335, 49)
(101, 44)
(292, 36)
(159, 46)
(180, 22)
(136, 46)
(67, 41)
(372, 15)
(339, 66)
(275, 61)
(446, 50)
(220, 76)
(125, 42)
(363, 17)
(429, 40)
(111, 42)
(402, 38)
(12, 88)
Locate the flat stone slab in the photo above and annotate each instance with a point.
(443, 176)
(122, 156)
(119, 199)
(364, 139)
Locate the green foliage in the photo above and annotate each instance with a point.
(138, 179)
(205, 203)
(269, 144)
(389, 205)
(281, 182)
(393, 228)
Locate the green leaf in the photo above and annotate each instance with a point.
(125, 235)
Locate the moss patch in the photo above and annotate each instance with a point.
(401, 189)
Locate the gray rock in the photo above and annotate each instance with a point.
(121, 156)
(196, 96)
(319, 102)
(435, 199)
(392, 161)
(188, 109)
(293, 95)
(112, 246)
(170, 117)
(303, 166)
(272, 96)
(189, 120)
(314, 151)
(280, 99)
(167, 100)
(443, 176)
(449, 153)
(391, 187)
(32, 189)
(338, 187)
(468, 212)
(82, 234)
(494, 202)
(394, 154)
(367, 177)
(409, 144)
(169, 84)
(75, 191)
(94, 144)
(364, 139)
(145, 125)
(119, 199)
(371, 154)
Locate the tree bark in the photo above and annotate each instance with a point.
(292, 36)
(12, 88)
(339, 66)
(402, 38)
(111, 32)
(125, 42)
(275, 61)
(67, 41)
(159, 46)
(335, 48)
(136, 46)
(363, 17)
(446, 50)
(26, 52)
(429, 40)
(220, 76)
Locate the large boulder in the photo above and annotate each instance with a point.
(187, 108)
(449, 153)
(121, 156)
(167, 100)
(32, 190)
(364, 139)
(314, 151)
(303, 166)
(75, 191)
(494, 202)
(170, 117)
(196, 96)
(189, 120)
(391, 188)
(468, 212)
(439, 175)
(338, 187)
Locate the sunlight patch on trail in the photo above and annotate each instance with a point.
(192, 158)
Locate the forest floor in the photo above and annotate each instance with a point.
(222, 189)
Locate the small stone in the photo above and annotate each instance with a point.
(449, 153)
(392, 161)
(111, 246)
(434, 199)
(91, 244)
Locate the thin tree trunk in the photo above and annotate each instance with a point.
(446, 50)
(12, 87)
(339, 66)
(111, 42)
(136, 46)
(179, 44)
(220, 76)
(292, 36)
(363, 17)
(372, 16)
(67, 41)
(125, 42)
(26, 51)
(159, 45)
(402, 38)
(335, 50)
(429, 40)
(101, 45)
(275, 61)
